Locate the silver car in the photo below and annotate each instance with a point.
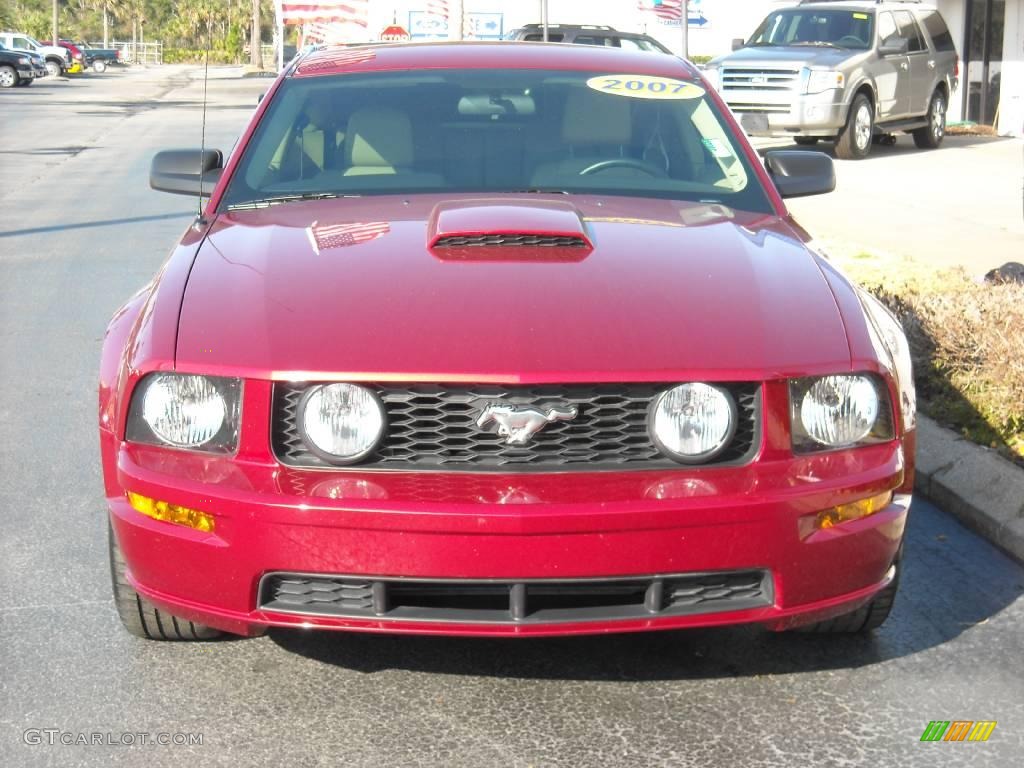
(855, 72)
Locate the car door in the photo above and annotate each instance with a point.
(922, 63)
(891, 72)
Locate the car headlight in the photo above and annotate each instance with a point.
(821, 80)
(24, 60)
(693, 422)
(341, 423)
(891, 345)
(186, 411)
(838, 411)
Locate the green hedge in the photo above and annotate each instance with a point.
(198, 56)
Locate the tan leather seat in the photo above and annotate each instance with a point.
(596, 126)
(378, 142)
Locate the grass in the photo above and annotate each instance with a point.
(967, 339)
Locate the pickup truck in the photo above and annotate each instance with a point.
(19, 68)
(58, 60)
(99, 58)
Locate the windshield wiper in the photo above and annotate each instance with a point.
(265, 202)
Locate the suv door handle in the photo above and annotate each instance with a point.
(904, 65)
(931, 64)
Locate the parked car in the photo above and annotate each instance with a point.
(846, 71)
(58, 60)
(586, 34)
(17, 68)
(494, 339)
(99, 58)
(77, 57)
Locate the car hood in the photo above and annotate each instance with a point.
(353, 289)
(797, 55)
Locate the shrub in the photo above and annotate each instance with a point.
(967, 339)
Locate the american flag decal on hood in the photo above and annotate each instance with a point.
(324, 236)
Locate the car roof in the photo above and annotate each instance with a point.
(865, 4)
(337, 59)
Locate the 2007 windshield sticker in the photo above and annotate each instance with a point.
(645, 87)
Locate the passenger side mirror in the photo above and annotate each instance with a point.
(894, 46)
(186, 171)
(798, 173)
(737, 43)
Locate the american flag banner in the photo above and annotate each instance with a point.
(324, 236)
(334, 60)
(327, 11)
(438, 8)
(663, 9)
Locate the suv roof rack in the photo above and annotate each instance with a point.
(872, 2)
(601, 27)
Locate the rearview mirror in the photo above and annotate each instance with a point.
(798, 173)
(737, 43)
(894, 47)
(186, 171)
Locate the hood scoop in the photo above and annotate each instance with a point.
(507, 230)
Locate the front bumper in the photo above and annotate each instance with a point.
(473, 528)
(787, 114)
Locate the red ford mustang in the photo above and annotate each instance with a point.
(501, 339)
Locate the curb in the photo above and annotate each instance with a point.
(974, 484)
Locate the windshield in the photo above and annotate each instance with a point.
(481, 130)
(799, 26)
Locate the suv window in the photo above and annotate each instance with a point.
(938, 31)
(805, 26)
(23, 42)
(637, 44)
(887, 29)
(592, 40)
(910, 32)
(535, 37)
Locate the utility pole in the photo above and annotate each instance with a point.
(455, 20)
(544, 18)
(684, 22)
(255, 43)
(56, 40)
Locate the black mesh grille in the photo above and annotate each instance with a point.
(507, 602)
(434, 427)
(539, 241)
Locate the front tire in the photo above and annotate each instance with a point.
(866, 618)
(854, 143)
(139, 616)
(8, 77)
(99, 66)
(930, 137)
(53, 69)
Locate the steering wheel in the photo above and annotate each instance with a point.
(624, 162)
(849, 40)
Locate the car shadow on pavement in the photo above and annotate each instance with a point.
(904, 146)
(952, 582)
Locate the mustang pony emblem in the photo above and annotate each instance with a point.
(520, 423)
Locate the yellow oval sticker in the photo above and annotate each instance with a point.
(645, 87)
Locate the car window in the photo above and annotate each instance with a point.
(538, 37)
(593, 40)
(938, 31)
(636, 44)
(909, 31)
(887, 32)
(496, 131)
(830, 28)
(22, 42)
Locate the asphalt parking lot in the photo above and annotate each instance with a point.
(79, 232)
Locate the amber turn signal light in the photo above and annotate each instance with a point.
(855, 510)
(171, 513)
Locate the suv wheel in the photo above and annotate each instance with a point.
(931, 135)
(8, 77)
(854, 142)
(53, 69)
(139, 616)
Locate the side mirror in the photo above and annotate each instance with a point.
(797, 172)
(737, 43)
(894, 46)
(186, 171)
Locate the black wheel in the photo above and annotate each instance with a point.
(53, 69)
(806, 141)
(866, 618)
(854, 142)
(930, 137)
(8, 77)
(139, 616)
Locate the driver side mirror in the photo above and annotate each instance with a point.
(798, 173)
(186, 171)
(737, 43)
(894, 46)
